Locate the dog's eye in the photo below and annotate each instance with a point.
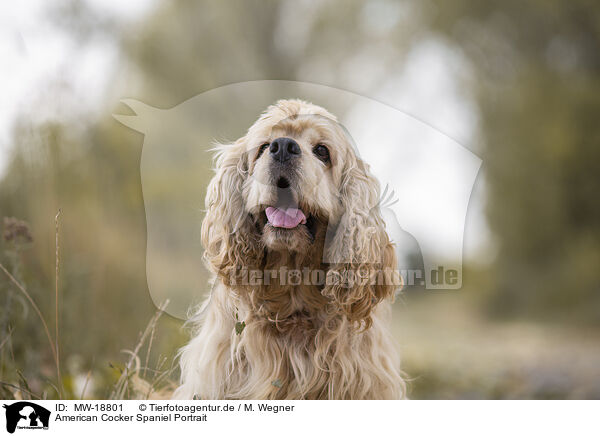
(321, 152)
(261, 149)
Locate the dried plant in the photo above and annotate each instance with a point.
(16, 231)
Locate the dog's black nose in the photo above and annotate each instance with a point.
(283, 149)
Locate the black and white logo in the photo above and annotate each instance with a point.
(26, 415)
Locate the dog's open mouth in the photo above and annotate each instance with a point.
(287, 214)
(287, 218)
(283, 219)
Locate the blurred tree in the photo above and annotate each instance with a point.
(538, 90)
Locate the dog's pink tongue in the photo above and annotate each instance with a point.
(286, 218)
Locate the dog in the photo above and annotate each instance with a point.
(292, 198)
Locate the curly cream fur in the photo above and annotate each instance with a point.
(302, 341)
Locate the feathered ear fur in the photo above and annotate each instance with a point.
(363, 266)
(228, 236)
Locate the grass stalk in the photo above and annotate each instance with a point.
(122, 384)
(57, 337)
(21, 288)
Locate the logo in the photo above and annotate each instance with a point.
(26, 415)
(427, 174)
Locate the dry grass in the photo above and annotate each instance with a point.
(133, 382)
(56, 336)
(35, 307)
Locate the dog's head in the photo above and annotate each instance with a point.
(294, 184)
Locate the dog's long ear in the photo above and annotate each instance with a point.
(227, 234)
(363, 266)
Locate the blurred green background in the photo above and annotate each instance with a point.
(524, 95)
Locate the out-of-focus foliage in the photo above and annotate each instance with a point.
(537, 91)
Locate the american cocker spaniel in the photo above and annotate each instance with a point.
(305, 273)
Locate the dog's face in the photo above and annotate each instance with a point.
(294, 185)
(295, 154)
